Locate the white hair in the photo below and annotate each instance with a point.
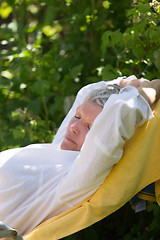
(101, 95)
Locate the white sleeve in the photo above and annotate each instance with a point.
(103, 146)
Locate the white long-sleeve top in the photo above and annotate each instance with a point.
(41, 180)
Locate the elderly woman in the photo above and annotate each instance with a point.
(42, 180)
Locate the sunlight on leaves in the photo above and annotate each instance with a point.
(50, 31)
(106, 4)
(7, 74)
(5, 10)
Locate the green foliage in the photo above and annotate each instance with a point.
(50, 49)
(136, 50)
(124, 224)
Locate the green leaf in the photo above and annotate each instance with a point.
(143, 8)
(138, 51)
(76, 70)
(154, 34)
(105, 41)
(106, 4)
(117, 38)
(19, 132)
(108, 73)
(40, 87)
(5, 10)
(50, 31)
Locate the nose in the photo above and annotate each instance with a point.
(75, 128)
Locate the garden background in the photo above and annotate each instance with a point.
(49, 50)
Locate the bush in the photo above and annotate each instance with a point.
(50, 49)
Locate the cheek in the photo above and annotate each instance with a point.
(70, 123)
(84, 134)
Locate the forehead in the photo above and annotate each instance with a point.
(89, 110)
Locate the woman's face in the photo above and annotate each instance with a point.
(79, 125)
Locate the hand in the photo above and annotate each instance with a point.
(132, 81)
(150, 90)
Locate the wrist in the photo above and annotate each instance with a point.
(149, 94)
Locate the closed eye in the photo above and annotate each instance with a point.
(89, 126)
(77, 117)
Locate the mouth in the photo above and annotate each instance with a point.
(70, 140)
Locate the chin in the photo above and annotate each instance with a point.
(65, 146)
